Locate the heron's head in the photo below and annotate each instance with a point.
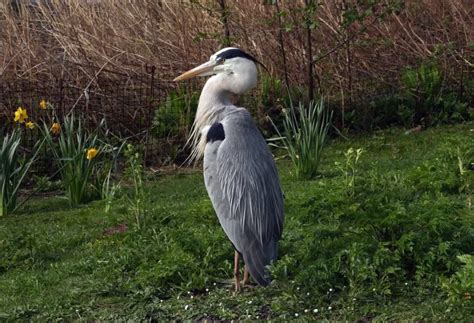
(234, 69)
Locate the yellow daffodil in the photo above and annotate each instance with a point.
(30, 125)
(91, 153)
(20, 115)
(56, 128)
(43, 104)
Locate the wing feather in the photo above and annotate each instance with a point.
(243, 184)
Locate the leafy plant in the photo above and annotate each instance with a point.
(171, 123)
(75, 151)
(349, 168)
(382, 255)
(103, 171)
(13, 170)
(45, 184)
(425, 100)
(460, 287)
(135, 171)
(175, 115)
(305, 132)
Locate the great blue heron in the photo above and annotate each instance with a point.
(239, 171)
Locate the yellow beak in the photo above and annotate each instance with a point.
(202, 70)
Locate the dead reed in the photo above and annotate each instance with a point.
(356, 47)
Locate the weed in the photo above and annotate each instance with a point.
(45, 184)
(425, 101)
(349, 168)
(388, 253)
(135, 170)
(305, 132)
(460, 287)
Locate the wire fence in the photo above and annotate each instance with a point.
(127, 103)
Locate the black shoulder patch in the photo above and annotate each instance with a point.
(215, 133)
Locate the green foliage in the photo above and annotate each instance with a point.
(13, 170)
(137, 203)
(171, 124)
(45, 184)
(174, 117)
(424, 99)
(388, 252)
(460, 287)
(305, 132)
(349, 168)
(71, 151)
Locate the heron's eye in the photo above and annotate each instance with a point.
(220, 60)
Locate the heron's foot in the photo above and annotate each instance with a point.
(246, 279)
(237, 289)
(227, 282)
(249, 286)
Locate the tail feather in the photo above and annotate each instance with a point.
(258, 258)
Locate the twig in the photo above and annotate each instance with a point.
(92, 80)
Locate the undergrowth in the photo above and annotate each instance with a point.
(388, 237)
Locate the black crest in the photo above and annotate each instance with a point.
(235, 52)
(215, 133)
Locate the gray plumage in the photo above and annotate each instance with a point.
(239, 171)
(242, 182)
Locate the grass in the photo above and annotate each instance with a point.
(381, 250)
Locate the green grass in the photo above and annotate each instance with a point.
(383, 249)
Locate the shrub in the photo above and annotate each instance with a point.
(425, 100)
(460, 287)
(175, 116)
(305, 132)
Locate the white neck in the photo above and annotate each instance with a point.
(236, 76)
(211, 108)
(211, 102)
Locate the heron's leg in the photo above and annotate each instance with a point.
(236, 272)
(246, 276)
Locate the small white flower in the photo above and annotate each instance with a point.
(249, 316)
(177, 297)
(249, 302)
(354, 299)
(406, 284)
(207, 289)
(315, 310)
(214, 284)
(297, 288)
(373, 290)
(307, 294)
(186, 307)
(329, 308)
(189, 293)
(192, 296)
(331, 290)
(161, 301)
(306, 311)
(296, 315)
